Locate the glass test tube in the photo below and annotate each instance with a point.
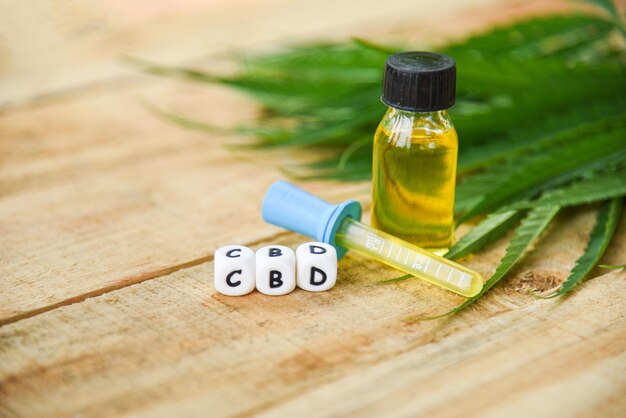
(408, 258)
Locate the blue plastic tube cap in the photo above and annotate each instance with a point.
(292, 208)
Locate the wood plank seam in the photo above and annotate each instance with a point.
(126, 282)
(75, 92)
(185, 301)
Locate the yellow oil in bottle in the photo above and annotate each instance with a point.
(415, 151)
(414, 171)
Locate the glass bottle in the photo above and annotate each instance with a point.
(415, 151)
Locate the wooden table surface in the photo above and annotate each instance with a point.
(109, 218)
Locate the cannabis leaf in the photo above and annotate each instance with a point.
(521, 176)
(540, 116)
(608, 266)
(529, 229)
(606, 223)
(487, 231)
(599, 187)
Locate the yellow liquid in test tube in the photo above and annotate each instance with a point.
(408, 258)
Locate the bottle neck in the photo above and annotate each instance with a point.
(437, 121)
(435, 115)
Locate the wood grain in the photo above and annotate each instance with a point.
(538, 360)
(97, 193)
(109, 218)
(119, 198)
(172, 346)
(55, 46)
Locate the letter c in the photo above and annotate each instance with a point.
(230, 275)
(230, 253)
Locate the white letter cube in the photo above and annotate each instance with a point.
(234, 270)
(275, 270)
(317, 266)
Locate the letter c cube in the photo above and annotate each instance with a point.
(234, 270)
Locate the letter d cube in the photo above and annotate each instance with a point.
(317, 266)
(234, 270)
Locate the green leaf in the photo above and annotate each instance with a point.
(548, 131)
(273, 134)
(396, 279)
(522, 176)
(161, 70)
(474, 189)
(329, 93)
(386, 51)
(545, 35)
(610, 6)
(599, 187)
(489, 230)
(609, 266)
(528, 231)
(606, 5)
(512, 96)
(538, 109)
(606, 224)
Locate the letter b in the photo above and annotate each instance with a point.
(275, 279)
(275, 270)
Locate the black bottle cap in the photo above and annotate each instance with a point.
(419, 81)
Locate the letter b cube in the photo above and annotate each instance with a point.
(234, 270)
(275, 270)
(317, 266)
